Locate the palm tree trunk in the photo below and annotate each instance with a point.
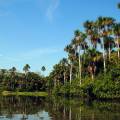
(79, 64)
(109, 52)
(55, 82)
(64, 112)
(64, 79)
(70, 116)
(118, 47)
(104, 62)
(80, 117)
(71, 72)
(92, 76)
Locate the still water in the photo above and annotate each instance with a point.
(37, 108)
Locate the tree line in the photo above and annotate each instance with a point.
(93, 57)
(92, 66)
(12, 80)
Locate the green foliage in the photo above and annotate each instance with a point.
(14, 81)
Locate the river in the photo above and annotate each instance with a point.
(37, 108)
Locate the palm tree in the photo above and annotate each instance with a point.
(71, 59)
(26, 68)
(104, 29)
(109, 45)
(12, 71)
(78, 42)
(91, 30)
(93, 57)
(116, 30)
(118, 5)
(92, 69)
(43, 68)
(64, 65)
(71, 53)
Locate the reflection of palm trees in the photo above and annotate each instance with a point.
(70, 114)
(24, 117)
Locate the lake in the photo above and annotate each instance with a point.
(37, 108)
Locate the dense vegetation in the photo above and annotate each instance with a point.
(92, 67)
(11, 80)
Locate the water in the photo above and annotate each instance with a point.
(36, 108)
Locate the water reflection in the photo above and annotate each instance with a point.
(36, 108)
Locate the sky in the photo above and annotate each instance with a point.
(35, 32)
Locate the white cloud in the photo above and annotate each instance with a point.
(51, 9)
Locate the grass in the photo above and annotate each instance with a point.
(10, 93)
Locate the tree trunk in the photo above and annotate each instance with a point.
(118, 47)
(64, 78)
(109, 52)
(64, 112)
(80, 116)
(55, 82)
(70, 116)
(104, 62)
(71, 72)
(92, 76)
(79, 64)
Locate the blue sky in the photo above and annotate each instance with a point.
(36, 31)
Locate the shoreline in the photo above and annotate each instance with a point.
(11, 93)
(45, 94)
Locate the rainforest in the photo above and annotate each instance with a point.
(91, 68)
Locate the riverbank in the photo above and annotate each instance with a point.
(10, 93)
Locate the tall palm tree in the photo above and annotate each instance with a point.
(26, 68)
(104, 28)
(93, 57)
(91, 30)
(64, 65)
(109, 45)
(43, 69)
(12, 71)
(69, 49)
(116, 30)
(71, 59)
(79, 41)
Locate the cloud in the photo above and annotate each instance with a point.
(51, 9)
